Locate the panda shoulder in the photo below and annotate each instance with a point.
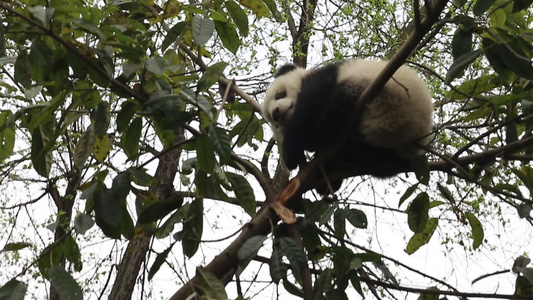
(284, 69)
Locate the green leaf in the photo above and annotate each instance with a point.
(84, 148)
(193, 227)
(386, 272)
(238, 15)
(461, 42)
(357, 218)
(125, 114)
(289, 248)
(274, 10)
(339, 222)
(50, 256)
(100, 118)
(160, 209)
(420, 239)
(202, 29)
(102, 147)
(121, 185)
(526, 176)
(64, 284)
(35, 117)
(477, 229)
(175, 218)
(277, 269)
(460, 64)
(491, 52)
(221, 142)
(246, 130)
(519, 5)
(167, 111)
(498, 17)
(108, 213)
(445, 193)
(407, 194)
(482, 6)
(159, 261)
(228, 35)
(13, 290)
(88, 191)
(311, 239)
(15, 247)
(511, 133)
(157, 65)
(421, 168)
(244, 192)
(520, 263)
(7, 136)
(368, 257)
(356, 282)
(22, 70)
(417, 213)
(72, 253)
(248, 251)
(197, 100)
(173, 35)
(524, 210)
(323, 283)
(140, 177)
(41, 60)
(131, 138)
(257, 7)
(211, 75)
(206, 153)
(41, 154)
(515, 59)
(41, 13)
(528, 273)
(291, 288)
(430, 296)
(127, 228)
(210, 285)
(475, 87)
(82, 223)
(523, 286)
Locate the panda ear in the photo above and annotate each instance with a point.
(286, 68)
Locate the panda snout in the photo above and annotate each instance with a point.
(276, 114)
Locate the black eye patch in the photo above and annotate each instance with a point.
(280, 95)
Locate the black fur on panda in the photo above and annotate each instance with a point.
(310, 109)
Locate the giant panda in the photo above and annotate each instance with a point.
(310, 109)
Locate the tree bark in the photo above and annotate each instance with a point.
(135, 252)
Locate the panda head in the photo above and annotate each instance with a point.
(281, 96)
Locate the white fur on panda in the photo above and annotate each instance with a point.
(398, 117)
(400, 114)
(290, 83)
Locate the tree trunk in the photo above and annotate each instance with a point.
(135, 253)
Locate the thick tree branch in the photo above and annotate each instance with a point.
(135, 252)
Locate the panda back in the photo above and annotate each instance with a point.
(399, 115)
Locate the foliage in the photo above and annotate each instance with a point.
(121, 114)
